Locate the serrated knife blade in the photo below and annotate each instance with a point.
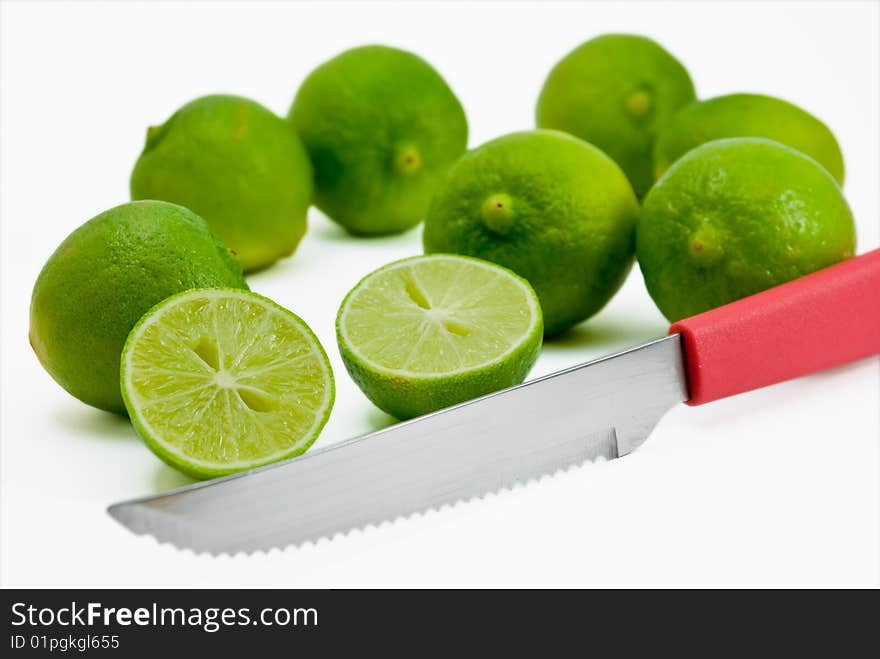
(601, 409)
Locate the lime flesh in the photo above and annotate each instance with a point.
(432, 331)
(218, 381)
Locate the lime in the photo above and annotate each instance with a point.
(747, 115)
(236, 164)
(428, 332)
(550, 207)
(734, 217)
(102, 279)
(220, 380)
(382, 127)
(616, 91)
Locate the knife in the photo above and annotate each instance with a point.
(603, 409)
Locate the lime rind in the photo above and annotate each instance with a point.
(566, 222)
(737, 216)
(616, 91)
(747, 115)
(382, 127)
(428, 353)
(268, 400)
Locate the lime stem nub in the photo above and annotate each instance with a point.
(407, 160)
(152, 135)
(638, 104)
(498, 213)
(705, 246)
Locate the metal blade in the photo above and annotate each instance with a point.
(601, 409)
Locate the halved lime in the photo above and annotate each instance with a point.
(431, 331)
(220, 380)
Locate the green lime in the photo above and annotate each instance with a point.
(236, 164)
(550, 207)
(382, 127)
(428, 332)
(102, 279)
(734, 217)
(616, 91)
(220, 380)
(747, 115)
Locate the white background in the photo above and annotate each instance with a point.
(776, 487)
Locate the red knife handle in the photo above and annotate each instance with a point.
(816, 322)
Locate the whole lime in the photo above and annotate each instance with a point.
(236, 164)
(104, 277)
(616, 91)
(550, 207)
(747, 115)
(382, 127)
(734, 217)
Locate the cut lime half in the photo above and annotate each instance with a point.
(218, 380)
(431, 331)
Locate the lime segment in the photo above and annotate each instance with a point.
(217, 381)
(432, 331)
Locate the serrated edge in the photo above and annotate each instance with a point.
(455, 503)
